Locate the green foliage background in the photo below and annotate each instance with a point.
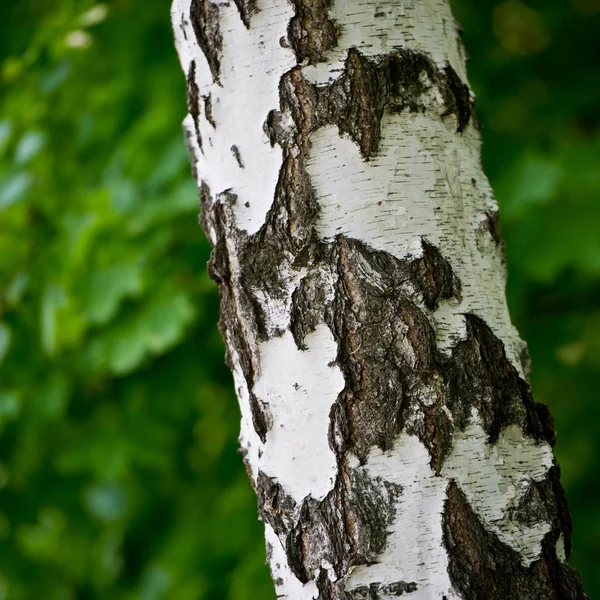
(118, 468)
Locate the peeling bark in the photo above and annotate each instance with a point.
(387, 424)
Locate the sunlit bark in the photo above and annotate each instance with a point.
(387, 424)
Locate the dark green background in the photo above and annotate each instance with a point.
(118, 468)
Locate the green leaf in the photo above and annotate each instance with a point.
(5, 337)
(13, 188)
(109, 287)
(106, 501)
(29, 147)
(53, 299)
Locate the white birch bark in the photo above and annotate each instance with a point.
(387, 425)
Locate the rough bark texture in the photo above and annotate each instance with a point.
(387, 423)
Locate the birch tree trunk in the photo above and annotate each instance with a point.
(387, 423)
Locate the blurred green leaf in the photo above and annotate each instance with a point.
(53, 299)
(109, 287)
(107, 502)
(29, 146)
(13, 188)
(5, 335)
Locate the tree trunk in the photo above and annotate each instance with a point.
(387, 424)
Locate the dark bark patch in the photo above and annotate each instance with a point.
(350, 526)
(381, 591)
(547, 422)
(273, 128)
(218, 264)
(565, 521)
(308, 304)
(182, 27)
(365, 89)
(318, 536)
(291, 220)
(193, 100)
(458, 98)
(434, 277)
(285, 243)
(190, 140)
(237, 155)
(483, 374)
(261, 419)
(275, 507)
(373, 505)
(357, 99)
(481, 566)
(531, 507)
(208, 110)
(493, 226)
(206, 202)
(215, 216)
(204, 16)
(301, 99)
(311, 32)
(383, 337)
(479, 375)
(247, 9)
(436, 433)
(406, 70)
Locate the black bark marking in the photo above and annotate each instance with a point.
(350, 526)
(386, 343)
(215, 216)
(193, 100)
(311, 31)
(365, 90)
(273, 126)
(407, 84)
(435, 277)
(261, 419)
(382, 336)
(204, 16)
(367, 87)
(238, 157)
(531, 507)
(485, 375)
(458, 98)
(182, 27)
(380, 591)
(405, 74)
(343, 529)
(372, 502)
(247, 9)
(481, 566)
(208, 110)
(190, 138)
(547, 422)
(275, 507)
(308, 301)
(493, 226)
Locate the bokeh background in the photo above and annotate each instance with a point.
(119, 471)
